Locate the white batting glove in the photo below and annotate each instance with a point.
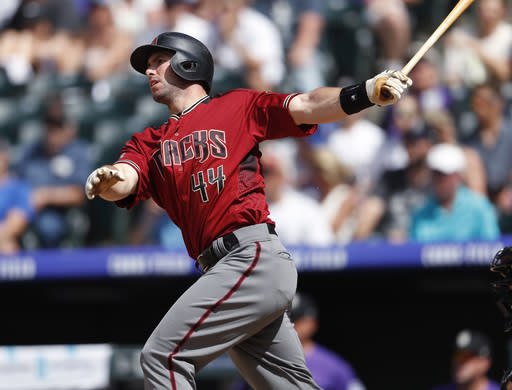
(102, 179)
(387, 87)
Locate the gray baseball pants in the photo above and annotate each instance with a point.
(238, 306)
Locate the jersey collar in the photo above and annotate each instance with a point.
(194, 105)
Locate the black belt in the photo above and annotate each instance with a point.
(208, 258)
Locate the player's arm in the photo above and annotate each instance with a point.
(112, 182)
(327, 104)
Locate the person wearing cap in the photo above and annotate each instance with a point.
(453, 212)
(471, 361)
(330, 370)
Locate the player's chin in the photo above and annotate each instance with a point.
(160, 97)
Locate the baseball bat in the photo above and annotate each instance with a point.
(454, 14)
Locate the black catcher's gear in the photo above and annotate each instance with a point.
(502, 264)
(506, 379)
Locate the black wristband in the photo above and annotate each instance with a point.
(354, 98)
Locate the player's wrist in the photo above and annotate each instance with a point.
(354, 98)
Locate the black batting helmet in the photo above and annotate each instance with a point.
(192, 60)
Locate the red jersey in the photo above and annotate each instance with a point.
(203, 166)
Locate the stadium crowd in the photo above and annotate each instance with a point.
(434, 167)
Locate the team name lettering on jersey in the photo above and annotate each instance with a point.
(200, 145)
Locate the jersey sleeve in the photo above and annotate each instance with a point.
(272, 120)
(135, 153)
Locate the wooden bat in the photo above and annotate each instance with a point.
(458, 10)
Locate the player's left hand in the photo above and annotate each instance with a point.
(101, 179)
(387, 87)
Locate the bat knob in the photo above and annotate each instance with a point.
(381, 91)
(384, 93)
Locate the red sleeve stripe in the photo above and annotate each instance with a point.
(288, 98)
(129, 162)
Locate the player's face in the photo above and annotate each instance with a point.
(467, 371)
(163, 82)
(445, 186)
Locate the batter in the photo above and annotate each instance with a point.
(202, 167)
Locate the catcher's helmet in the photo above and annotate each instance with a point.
(192, 60)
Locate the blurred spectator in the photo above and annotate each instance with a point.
(492, 139)
(400, 191)
(106, 46)
(196, 18)
(432, 93)
(405, 117)
(471, 361)
(16, 49)
(7, 10)
(339, 196)
(356, 143)
(41, 45)
(134, 16)
(153, 226)
(445, 131)
(390, 22)
(56, 167)
(330, 371)
(16, 210)
(61, 14)
(301, 24)
(480, 52)
(454, 212)
(42, 48)
(251, 46)
(307, 227)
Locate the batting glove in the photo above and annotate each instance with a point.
(387, 87)
(101, 179)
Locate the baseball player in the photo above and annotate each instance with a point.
(202, 167)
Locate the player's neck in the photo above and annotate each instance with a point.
(186, 99)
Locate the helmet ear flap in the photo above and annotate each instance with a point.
(188, 68)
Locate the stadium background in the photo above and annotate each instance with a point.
(394, 322)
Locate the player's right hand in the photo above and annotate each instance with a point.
(101, 179)
(387, 87)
